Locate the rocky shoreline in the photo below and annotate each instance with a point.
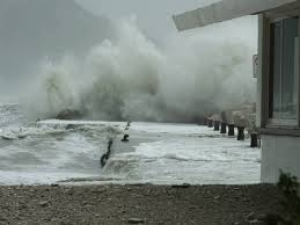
(137, 204)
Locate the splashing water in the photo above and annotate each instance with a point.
(131, 78)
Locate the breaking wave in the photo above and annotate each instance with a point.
(129, 77)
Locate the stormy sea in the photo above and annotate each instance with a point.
(161, 153)
(163, 91)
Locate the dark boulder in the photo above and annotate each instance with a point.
(68, 114)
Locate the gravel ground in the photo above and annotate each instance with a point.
(139, 204)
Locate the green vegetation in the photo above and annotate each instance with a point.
(290, 202)
(289, 187)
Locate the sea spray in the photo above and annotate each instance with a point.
(129, 77)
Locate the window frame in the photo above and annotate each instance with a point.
(278, 123)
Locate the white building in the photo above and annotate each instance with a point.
(278, 100)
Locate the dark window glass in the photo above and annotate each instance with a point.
(276, 68)
(284, 69)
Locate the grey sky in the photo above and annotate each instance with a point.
(154, 17)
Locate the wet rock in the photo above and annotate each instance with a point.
(250, 216)
(22, 136)
(3, 219)
(270, 218)
(140, 184)
(70, 127)
(68, 114)
(261, 216)
(184, 185)
(54, 220)
(217, 197)
(136, 221)
(7, 138)
(43, 204)
(255, 222)
(69, 192)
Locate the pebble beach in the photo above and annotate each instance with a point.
(137, 204)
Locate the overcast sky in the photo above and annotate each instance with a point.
(154, 17)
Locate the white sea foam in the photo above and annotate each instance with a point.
(129, 77)
(202, 149)
(55, 154)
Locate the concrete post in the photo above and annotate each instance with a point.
(241, 134)
(205, 122)
(216, 125)
(210, 123)
(223, 128)
(254, 142)
(231, 130)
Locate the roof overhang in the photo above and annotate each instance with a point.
(225, 10)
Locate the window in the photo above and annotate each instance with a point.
(284, 72)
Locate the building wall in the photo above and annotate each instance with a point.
(279, 152)
(259, 71)
(280, 147)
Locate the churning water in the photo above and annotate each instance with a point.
(130, 78)
(51, 151)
